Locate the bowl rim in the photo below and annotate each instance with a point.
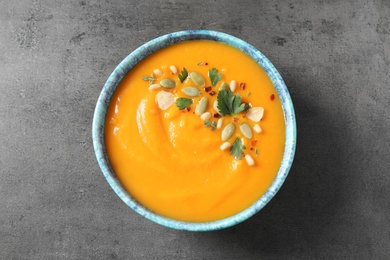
(142, 52)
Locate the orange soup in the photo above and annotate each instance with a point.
(195, 131)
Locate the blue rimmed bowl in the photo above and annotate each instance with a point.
(142, 52)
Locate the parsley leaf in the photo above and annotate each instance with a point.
(229, 104)
(224, 100)
(182, 103)
(214, 76)
(238, 106)
(183, 75)
(212, 124)
(236, 149)
(150, 79)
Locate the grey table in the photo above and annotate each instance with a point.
(55, 57)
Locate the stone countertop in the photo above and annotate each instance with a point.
(55, 57)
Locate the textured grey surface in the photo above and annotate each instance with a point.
(55, 57)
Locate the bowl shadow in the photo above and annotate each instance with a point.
(297, 218)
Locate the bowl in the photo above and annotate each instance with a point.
(145, 50)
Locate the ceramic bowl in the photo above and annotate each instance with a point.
(154, 45)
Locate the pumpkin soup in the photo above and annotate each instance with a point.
(195, 131)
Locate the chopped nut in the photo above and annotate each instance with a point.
(154, 86)
(173, 69)
(158, 72)
(164, 99)
(255, 113)
(233, 85)
(257, 128)
(219, 123)
(225, 146)
(205, 116)
(249, 160)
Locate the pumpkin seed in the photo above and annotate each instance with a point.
(255, 113)
(201, 106)
(224, 86)
(233, 85)
(164, 99)
(197, 79)
(249, 160)
(246, 130)
(191, 91)
(215, 106)
(167, 83)
(257, 128)
(228, 131)
(225, 146)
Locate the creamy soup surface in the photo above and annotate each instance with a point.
(176, 156)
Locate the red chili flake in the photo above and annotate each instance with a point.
(206, 63)
(253, 142)
(272, 97)
(236, 120)
(207, 89)
(188, 109)
(212, 93)
(216, 115)
(251, 149)
(242, 86)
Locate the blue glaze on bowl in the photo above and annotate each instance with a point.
(148, 48)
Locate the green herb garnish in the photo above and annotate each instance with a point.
(257, 152)
(214, 76)
(236, 149)
(200, 63)
(150, 79)
(182, 103)
(183, 75)
(248, 94)
(213, 124)
(229, 104)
